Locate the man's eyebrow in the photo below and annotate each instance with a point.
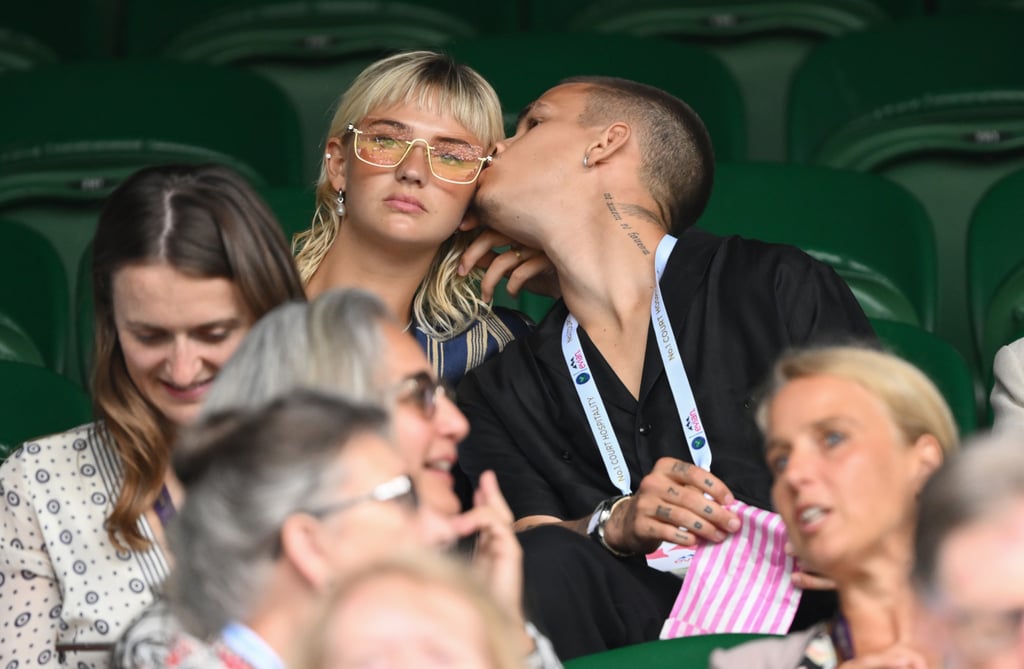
(525, 111)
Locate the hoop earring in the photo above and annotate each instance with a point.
(340, 209)
(586, 160)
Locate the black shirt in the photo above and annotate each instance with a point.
(735, 305)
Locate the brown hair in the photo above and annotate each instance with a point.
(678, 163)
(205, 221)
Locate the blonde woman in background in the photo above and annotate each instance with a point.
(414, 611)
(852, 435)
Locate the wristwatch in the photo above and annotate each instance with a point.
(598, 521)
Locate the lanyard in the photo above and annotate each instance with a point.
(250, 646)
(682, 393)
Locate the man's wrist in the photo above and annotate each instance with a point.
(597, 527)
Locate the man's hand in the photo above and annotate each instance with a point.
(670, 505)
(525, 267)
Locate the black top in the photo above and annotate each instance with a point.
(735, 305)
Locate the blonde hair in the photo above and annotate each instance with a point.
(914, 403)
(445, 303)
(452, 575)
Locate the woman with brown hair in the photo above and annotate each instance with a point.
(185, 260)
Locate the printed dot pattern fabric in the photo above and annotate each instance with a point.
(61, 579)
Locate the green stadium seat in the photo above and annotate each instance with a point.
(995, 268)
(941, 361)
(84, 331)
(760, 41)
(690, 652)
(78, 129)
(16, 344)
(973, 6)
(874, 233)
(35, 401)
(293, 206)
(935, 104)
(312, 50)
(48, 31)
(34, 291)
(521, 67)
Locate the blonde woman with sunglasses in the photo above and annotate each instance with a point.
(402, 156)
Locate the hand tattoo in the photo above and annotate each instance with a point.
(663, 512)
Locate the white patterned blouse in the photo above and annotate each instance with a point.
(66, 592)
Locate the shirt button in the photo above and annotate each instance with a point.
(645, 429)
(567, 456)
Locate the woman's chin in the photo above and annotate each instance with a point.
(439, 496)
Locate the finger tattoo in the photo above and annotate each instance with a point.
(709, 483)
(672, 491)
(681, 466)
(663, 512)
(708, 510)
(698, 525)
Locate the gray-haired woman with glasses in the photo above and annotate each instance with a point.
(403, 153)
(276, 498)
(348, 343)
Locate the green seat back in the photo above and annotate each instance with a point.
(57, 166)
(293, 206)
(84, 326)
(47, 31)
(34, 290)
(941, 361)
(970, 6)
(841, 218)
(35, 401)
(945, 123)
(522, 67)
(690, 652)
(16, 344)
(311, 50)
(995, 268)
(761, 42)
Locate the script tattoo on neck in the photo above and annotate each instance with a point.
(630, 232)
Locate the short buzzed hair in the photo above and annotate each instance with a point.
(677, 161)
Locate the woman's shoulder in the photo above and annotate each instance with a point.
(48, 449)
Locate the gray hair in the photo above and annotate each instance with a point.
(969, 488)
(332, 344)
(244, 472)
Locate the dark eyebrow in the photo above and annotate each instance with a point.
(222, 323)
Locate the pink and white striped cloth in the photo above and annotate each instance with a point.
(740, 585)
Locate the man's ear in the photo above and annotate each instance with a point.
(611, 140)
(334, 162)
(301, 545)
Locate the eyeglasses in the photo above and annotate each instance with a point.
(399, 489)
(452, 161)
(423, 390)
